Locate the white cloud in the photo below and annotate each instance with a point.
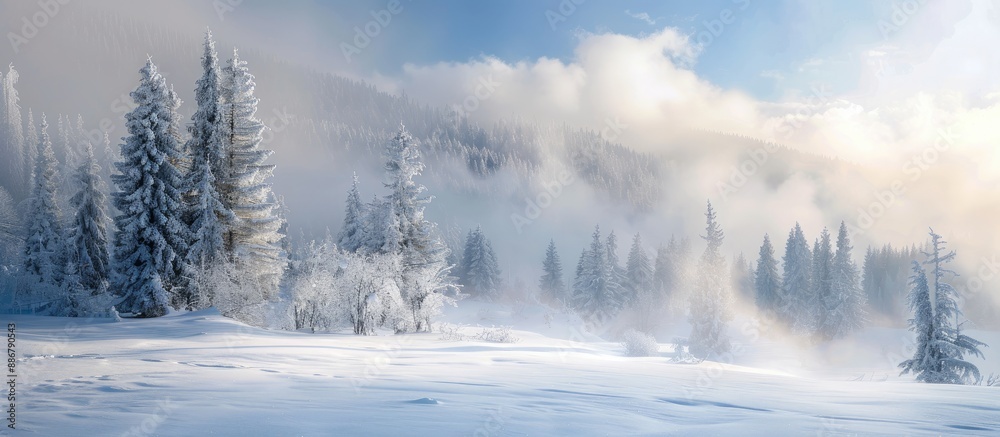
(641, 16)
(644, 81)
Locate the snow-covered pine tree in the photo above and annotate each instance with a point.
(108, 156)
(551, 283)
(87, 240)
(581, 264)
(43, 241)
(638, 274)
(30, 152)
(424, 274)
(663, 271)
(175, 130)
(253, 240)
(767, 283)
(479, 272)
(207, 218)
(205, 213)
(741, 275)
(615, 266)
(381, 227)
(206, 124)
(796, 283)
(885, 274)
(3, 117)
(69, 155)
(710, 300)
(927, 354)
(941, 347)
(352, 234)
(12, 136)
(597, 296)
(150, 237)
(822, 278)
(845, 305)
(74, 295)
(868, 276)
(11, 235)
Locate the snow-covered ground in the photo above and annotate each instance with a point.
(202, 374)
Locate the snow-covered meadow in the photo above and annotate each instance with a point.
(203, 374)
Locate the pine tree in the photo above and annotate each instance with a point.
(615, 266)
(710, 311)
(352, 234)
(767, 283)
(638, 274)
(479, 271)
(741, 275)
(425, 274)
(43, 242)
(868, 277)
(87, 242)
(551, 282)
(941, 347)
(663, 271)
(30, 152)
(3, 116)
(884, 279)
(381, 226)
(151, 237)
(11, 235)
(845, 306)
(796, 282)
(253, 240)
(597, 295)
(69, 154)
(206, 215)
(822, 284)
(12, 135)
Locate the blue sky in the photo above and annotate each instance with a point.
(776, 38)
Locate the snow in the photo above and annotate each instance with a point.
(200, 373)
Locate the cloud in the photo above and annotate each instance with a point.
(645, 82)
(641, 16)
(887, 129)
(776, 75)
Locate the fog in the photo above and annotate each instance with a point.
(907, 149)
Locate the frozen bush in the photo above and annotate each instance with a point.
(497, 335)
(639, 344)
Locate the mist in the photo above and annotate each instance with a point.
(895, 155)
